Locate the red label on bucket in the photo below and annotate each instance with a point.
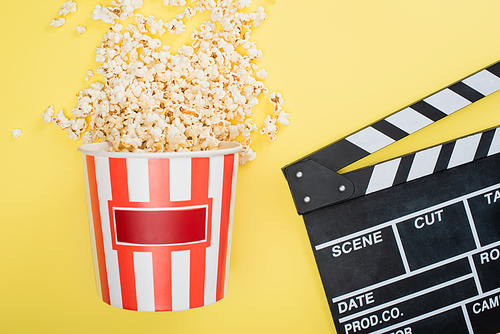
(160, 227)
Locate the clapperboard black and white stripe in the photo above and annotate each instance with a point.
(426, 162)
(395, 127)
(417, 116)
(412, 244)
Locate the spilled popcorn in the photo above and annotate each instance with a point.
(153, 100)
(81, 29)
(89, 75)
(16, 133)
(67, 8)
(56, 23)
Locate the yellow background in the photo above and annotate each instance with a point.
(340, 65)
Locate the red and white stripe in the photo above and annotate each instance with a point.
(161, 277)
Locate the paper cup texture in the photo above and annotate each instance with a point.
(160, 225)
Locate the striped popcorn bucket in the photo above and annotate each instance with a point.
(160, 225)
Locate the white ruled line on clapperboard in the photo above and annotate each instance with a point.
(414, 273)
(425, 256)
(409, 216)
(441, 310)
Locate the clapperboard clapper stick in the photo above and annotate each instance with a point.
(409, 245)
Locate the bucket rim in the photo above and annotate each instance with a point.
(97, 149)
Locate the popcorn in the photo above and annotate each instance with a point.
(270, 128)
(175, 27)
(67, 7)
(75, 126)
(81, 29)
(280, 115)
(243, 3)
(56, 23)
(189, 12)
(258, 17)
(104, 14)
(89, 75)
(178, 3)
(156, 100)
(156, 26)
(60, 120)
(276, 99)
(282, 118)
(261, 74)
(47, 115)
(16, 133)
(121, 9)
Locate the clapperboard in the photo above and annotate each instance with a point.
(412, 244)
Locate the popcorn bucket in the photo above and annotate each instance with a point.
(160, 225)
